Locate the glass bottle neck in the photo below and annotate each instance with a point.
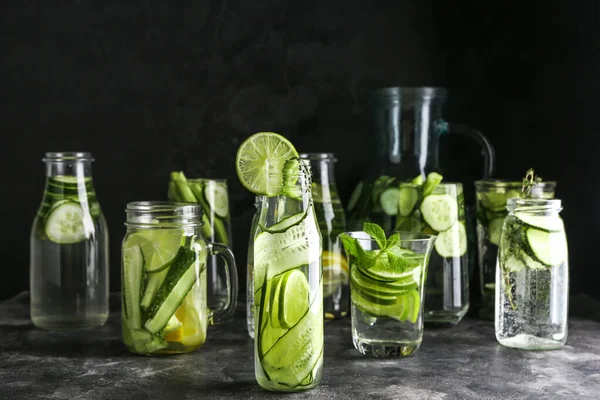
(77, 168)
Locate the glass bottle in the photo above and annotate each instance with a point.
(69, 248)
(164, 279)
(250, 268)
(288, 298)
(532, 277)
(332, 221)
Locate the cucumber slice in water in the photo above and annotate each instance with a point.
(495, 230)
(407, 199)
(544, 223)
(132, 275)
(452, 242)
(286, 223)
(64, 224)
(389, 201)
(432, 181)
(440, 211)
(217, 198)
(550, 248)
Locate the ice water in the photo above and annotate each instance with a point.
(69, 282)
(535, 312)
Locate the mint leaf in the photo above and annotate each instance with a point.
(376, 232)
(365, 259)
(349, 244)
(397, 263)
(393, 241)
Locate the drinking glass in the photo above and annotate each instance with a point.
(492, 197)
(386, 304)
(532, 277)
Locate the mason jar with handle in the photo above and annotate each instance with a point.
(164, 279)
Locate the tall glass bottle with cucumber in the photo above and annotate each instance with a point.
(213, 196)
(250, 268)
(69, 248)
(332, 221)
(164, 279)
(438, 208)
(288, 297)
(407, 125)
(492, 197)
(532, 277)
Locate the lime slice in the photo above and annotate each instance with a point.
(293, 298)
(159, 246)
(259, 162)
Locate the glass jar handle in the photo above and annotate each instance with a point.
(220, 250)
(486, 147)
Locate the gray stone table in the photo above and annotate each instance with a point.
(463, 362)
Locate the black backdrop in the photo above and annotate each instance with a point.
(153, 86)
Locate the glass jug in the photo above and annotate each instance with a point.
(408, 124)
(332, 221)
(164, 278)
(69, 248)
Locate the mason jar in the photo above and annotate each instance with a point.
(532, 276)
(164, 278)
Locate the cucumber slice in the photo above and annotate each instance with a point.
(180, 278)
(389, 201)
(294, 356)
(495, 230)
(64, 224)
(155, 280)
(493, 201)
(412, 306)
(132, 277)
(407, 199)
(285, 223)
(549, 248)
(546, 223)
(69, 179)
(217, 198)
(432, 181)
(452, 242)
(274, 303)
(418, 180)
(440, 211)
(276, 253)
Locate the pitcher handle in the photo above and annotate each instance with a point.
(487, 150)
(220, 250)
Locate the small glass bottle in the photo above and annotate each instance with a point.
(332, 221)
(69, 248)
(250, 270)
(532, 277)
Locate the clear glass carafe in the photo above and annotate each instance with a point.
(288, 298)
(407, 124)
(532, 277)
(250, 268)
(164, 279)
(332, 221)
(69, 248)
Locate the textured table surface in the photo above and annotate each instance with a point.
(463, 362)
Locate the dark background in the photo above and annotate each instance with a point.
(154, 86)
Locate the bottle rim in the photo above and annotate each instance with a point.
(487, 184)
(405, 236)
(533, 205)
(160, 213)
(408, 93)
(68, 156)
(318, 156)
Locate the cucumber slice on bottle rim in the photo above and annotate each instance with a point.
(440, 211)
(217, 198)
(65, 223)
(452, 242)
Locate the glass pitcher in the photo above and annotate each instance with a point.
(69, 248)
(332, 221)
(164, 278)
(408, 124)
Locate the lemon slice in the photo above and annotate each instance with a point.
(260, 160)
